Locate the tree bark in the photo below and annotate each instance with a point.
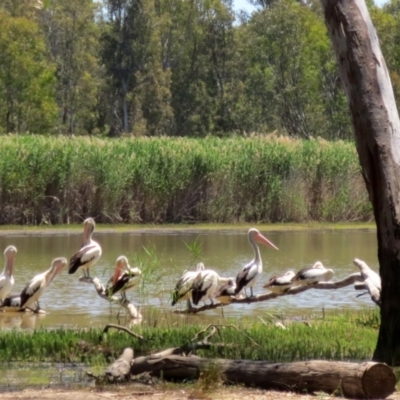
(368, 380)
(377, 131)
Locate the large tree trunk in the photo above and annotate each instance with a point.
(361, 381)
(377, 131)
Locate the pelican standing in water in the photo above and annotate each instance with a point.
(36, 287)
(312, 275)
(183, 288)
(205, 285)
(89, 253)
(247, 276)
(124, 278)
(280, 283)
(6, 278)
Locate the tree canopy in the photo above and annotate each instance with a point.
(176, 67)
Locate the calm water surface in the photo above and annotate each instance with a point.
(70, 303)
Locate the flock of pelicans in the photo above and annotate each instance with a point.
(199, 285)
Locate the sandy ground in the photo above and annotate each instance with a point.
(128, 392)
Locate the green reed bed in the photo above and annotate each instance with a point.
(171, 180)
(337, 337)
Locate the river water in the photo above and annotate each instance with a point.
(165, 255)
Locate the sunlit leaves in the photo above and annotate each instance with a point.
(26, 78)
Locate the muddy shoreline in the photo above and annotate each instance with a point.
(189, 228)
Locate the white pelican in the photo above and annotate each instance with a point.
(247, 276)
(36, 287)
(312, 275)
(183, 288)
(372, 281)
(6, 278)
(280, 283)
(226, 293)
(124, 278)
(205, 285)
(89, 253)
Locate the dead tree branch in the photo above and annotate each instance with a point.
(122, 328)
(356, 277)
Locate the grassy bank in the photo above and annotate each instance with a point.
(56, 180)
(345, 336)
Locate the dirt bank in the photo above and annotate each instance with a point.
(128, 392)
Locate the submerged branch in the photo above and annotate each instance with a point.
(101, 291)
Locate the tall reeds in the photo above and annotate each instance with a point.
(172, 180)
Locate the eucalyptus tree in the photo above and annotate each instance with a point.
(284, 67)
(201, 46)
(137, 85)
(377, 131)
(72, 36)
(292, 81)
(386, 20)
(26, 77)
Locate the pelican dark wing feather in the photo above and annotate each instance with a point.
(119, 285)
(27, 292)
(80, 258)
(243, 278)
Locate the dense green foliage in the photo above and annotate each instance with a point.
(175, 67)
(48, 180)
(349, 336)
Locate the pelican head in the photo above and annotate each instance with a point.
(256, 236)
(122, 263)
(9, 255)
(200, 267)
(88, 228)
(10, 250)
(56, 267)
(318, 265)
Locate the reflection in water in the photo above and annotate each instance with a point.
(23, 320)
(163, 256)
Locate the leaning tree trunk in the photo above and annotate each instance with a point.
(377, 130)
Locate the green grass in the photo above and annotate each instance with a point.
(58, 180)
(334, 336)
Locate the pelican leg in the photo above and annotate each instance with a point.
(35, 310)
(189, 305)
(251, 291)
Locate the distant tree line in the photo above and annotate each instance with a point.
(176, 68)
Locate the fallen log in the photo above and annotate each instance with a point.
(119, 370)
(368, 380)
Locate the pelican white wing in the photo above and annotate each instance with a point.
(183, 288)
(280, 283)
(309, 276)
(35, 288)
